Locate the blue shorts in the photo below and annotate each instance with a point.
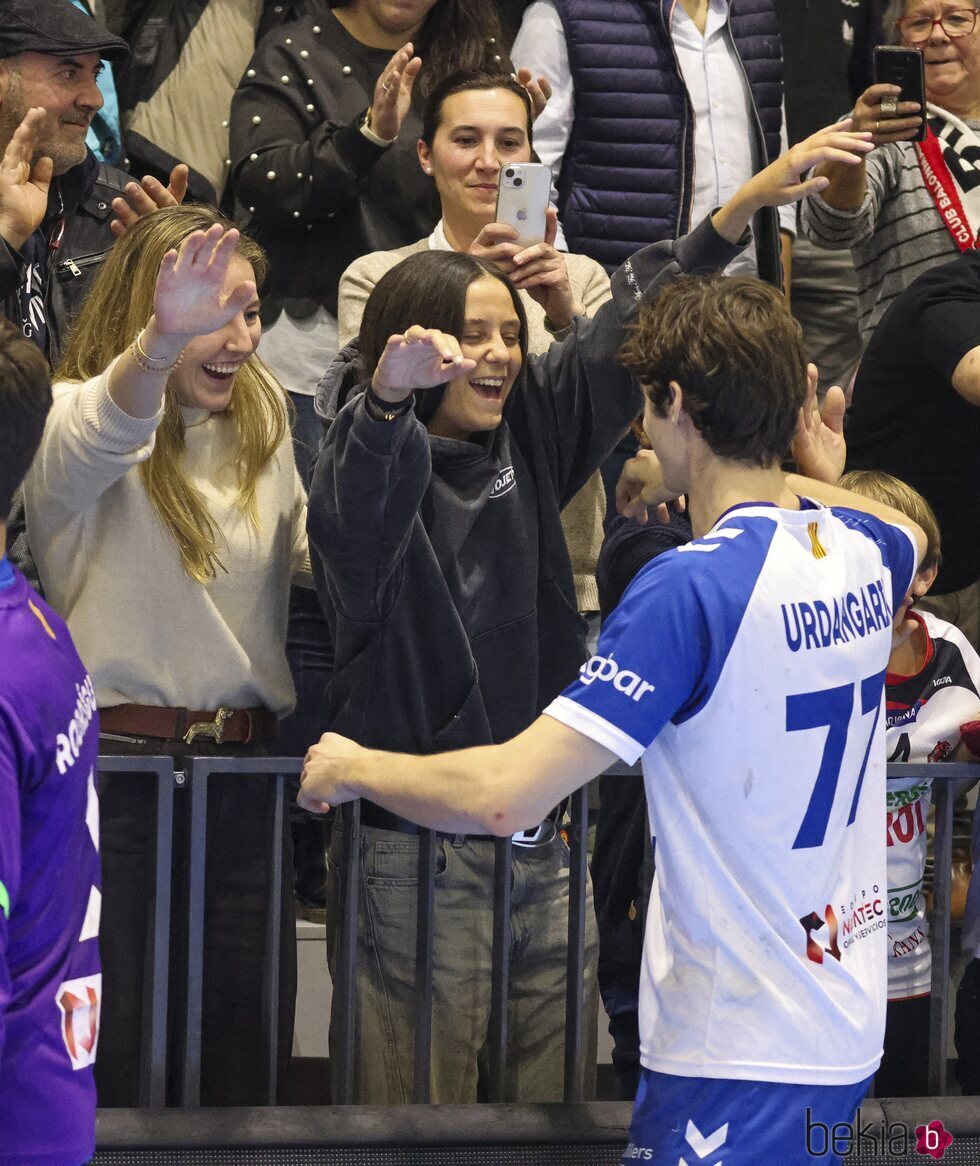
(704, 1121)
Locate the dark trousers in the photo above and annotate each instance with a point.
(240, 813)
(968, 1030)
(904, 1070)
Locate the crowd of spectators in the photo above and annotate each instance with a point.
(338, 163)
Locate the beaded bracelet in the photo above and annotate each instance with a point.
(149, 363)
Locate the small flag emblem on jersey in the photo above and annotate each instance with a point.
(815, 544)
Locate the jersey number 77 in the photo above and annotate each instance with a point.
(832, 708)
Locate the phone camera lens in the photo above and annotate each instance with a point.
(509, 172)
(518, 181)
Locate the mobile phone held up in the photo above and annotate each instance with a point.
(523, 192)
(894, 65)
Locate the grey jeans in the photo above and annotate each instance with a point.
(385, 987)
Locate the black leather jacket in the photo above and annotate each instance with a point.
(87, 191)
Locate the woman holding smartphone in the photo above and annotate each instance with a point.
(889, 210)
(474, 124)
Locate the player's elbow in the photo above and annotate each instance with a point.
(503, 806)
(500, 821)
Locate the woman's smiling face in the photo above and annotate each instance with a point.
(491, 336)
(480, 131)
(205, 378)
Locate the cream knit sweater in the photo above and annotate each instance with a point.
(582, 518)
(148, 633)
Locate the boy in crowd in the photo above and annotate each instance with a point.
(746, 669)
(50, 982)
(931, 689)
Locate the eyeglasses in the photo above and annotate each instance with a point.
(916, 30)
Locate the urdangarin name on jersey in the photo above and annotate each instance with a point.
(851, 616)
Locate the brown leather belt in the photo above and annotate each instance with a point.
(224, 726)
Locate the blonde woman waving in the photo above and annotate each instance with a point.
(168, 519)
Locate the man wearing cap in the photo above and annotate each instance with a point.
(56, 222)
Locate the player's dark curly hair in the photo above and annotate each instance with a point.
(25, 398)
(737, 354)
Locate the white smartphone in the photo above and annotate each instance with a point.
(523, 192)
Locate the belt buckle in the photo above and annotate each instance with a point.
(536, 835)
(214, 729)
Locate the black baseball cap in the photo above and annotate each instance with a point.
(56, 27)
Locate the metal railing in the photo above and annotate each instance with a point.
(194, 782)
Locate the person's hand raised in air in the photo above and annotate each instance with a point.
(420, 358)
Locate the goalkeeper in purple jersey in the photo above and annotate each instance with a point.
(50, 901)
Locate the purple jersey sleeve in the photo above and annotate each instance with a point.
(50, 905)
(10, 845)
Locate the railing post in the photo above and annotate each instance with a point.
(344, 995)
(190, 1076)
(575, 1042)
(156, 976)
(273, 939)
(156, 963)
(939, 928)
(423, 965)
(500, 969)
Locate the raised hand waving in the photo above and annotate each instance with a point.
(189, 299)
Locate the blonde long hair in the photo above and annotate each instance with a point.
(118, 306)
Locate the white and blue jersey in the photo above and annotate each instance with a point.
(746, 669)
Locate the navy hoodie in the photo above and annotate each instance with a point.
(441, 564)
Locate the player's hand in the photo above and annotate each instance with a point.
(818, 446)
(393, 93)
(148, 195)
(418, 359)
(327, 763)
(641, 487)
(538, 90)
(189, 299)
(24, 181)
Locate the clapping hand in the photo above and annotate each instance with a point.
(393, 93)
(24, 182)
(419, 359)
(144, 197)
(538, 90)
(189, 299)
(818, 447)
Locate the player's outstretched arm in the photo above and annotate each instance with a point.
(782, 182)
(492, 789)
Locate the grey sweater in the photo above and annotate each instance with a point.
(894, 236)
